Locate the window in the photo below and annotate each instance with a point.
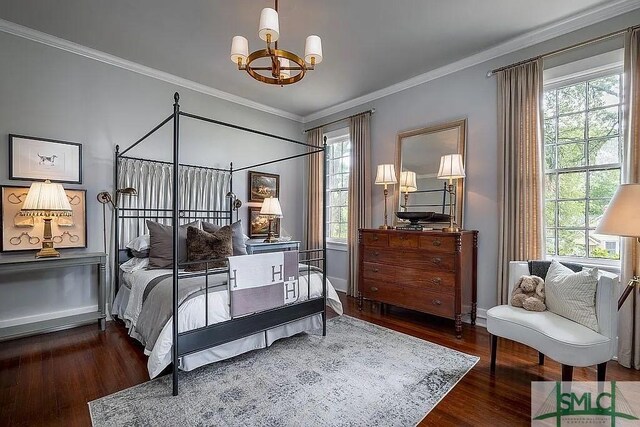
(338, 166)
(583, 152)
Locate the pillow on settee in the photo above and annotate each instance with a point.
(203, 246)
(572, 294)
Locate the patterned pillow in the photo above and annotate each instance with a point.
(239, 244)
(203, 246)
(572, 295)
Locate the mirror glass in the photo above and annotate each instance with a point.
(419, 151)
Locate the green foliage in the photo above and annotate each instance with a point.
(603, 253)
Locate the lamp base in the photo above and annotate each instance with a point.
(385, 227)
(47, 251)
(270, 239)
(453, 229)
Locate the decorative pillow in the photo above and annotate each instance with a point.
(203, 246)
(239, 241)
(572, 295)
(134, 264)
(161, 239)
(139, 246)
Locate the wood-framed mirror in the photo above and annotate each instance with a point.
(419, 151)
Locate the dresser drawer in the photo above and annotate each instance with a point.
(437, 243)
(381, 291)
(410, 258)
(434, 281)
(375, 239)
(375, 271)
(439, 304)
(403, 240)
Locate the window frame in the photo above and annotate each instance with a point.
(555, 84)
(337, 136)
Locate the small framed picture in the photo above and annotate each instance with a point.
(37, 159)
(263, 185)
(23, 233)
(259, 224)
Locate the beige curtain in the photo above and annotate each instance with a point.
(313, 237)
(359, 191)
(520, 168)
(629, 315)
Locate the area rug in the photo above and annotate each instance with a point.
(360, 374)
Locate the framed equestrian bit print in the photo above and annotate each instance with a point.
(23, 233)
(37, 159)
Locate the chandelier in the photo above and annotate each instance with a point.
(272, 65)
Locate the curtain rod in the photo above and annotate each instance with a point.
(564, 49)
(371, 111)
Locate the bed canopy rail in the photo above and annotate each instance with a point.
(191, 341)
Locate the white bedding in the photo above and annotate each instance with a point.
(191, 316)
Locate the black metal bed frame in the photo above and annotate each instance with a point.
(208, 336)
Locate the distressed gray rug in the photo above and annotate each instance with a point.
(360, 374)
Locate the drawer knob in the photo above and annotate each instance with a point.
(437, 281)
(402, 237)
(437, 242)
(374, 289)
(375, 237)
(436, 261)
(376, 253)
(436, 302)
(375, 270)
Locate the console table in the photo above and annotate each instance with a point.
(26, 263)
(260, 247)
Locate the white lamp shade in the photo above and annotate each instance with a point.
(622, 216)
(408, 182)
(313, 50)
(451, 167)
(386, 174)
(271, 207)
(239, 49)
(269, 24)
(45, 199)
(284, 62)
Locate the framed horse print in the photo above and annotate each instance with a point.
(37, 159)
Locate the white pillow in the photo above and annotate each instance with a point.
(572, 295)
(134, 264)
(140, 244)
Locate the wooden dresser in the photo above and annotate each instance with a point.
(429, 271)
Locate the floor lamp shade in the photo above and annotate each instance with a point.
(622, 216)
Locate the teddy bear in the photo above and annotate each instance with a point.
(529, 294)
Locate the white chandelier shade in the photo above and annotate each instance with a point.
(269, 25)
(313, 50)
(239, 49)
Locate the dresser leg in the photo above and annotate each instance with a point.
(458, 325)
(360, 301)
(103, 324)
(474, 312)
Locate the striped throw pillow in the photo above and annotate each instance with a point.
(572, 295)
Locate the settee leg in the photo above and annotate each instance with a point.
(567, 373)
(602, 371)
(494, 350)
(540, 358)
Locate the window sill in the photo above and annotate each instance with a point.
(337, 246)
(611, 265)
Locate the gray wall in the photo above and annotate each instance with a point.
(51, 93)
(467, 93)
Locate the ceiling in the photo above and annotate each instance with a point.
(367, 44)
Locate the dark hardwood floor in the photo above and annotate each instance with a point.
(47, 380)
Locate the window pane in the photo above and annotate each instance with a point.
(550, 187)
(335, 214)
(572, 185)
(334, 228)
(550, 131)
(571, 213)
(572, 98)
(571, 127)
(606, 247)
(550, 214)
(604, 91)
(571, 243)
(603, 123)
(571, 155)
(604, 151)
(596, 210)
(550, 157)
(551, 241)
(549, 103)
(603, 184)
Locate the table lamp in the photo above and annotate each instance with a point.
(386, 175)
(451, 168)
(272, 210)
(407, 185)
(46, 199)
(622, 218)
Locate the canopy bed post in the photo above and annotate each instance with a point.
(232, 200)
(176, 230)
(324, 235)
(116, 238)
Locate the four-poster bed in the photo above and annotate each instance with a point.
(207, 335)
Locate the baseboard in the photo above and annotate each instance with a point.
(338, 283)
(481, 316)
(46, 316)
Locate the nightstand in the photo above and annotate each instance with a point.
(260, 247)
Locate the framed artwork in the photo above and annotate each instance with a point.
(24, 233)
(37, 159)
(259, 224)
(263, 185)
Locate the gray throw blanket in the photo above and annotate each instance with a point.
(157, 302)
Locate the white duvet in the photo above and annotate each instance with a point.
(191, 312)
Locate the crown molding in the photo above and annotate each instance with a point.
(548, 32)
(87, 52)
